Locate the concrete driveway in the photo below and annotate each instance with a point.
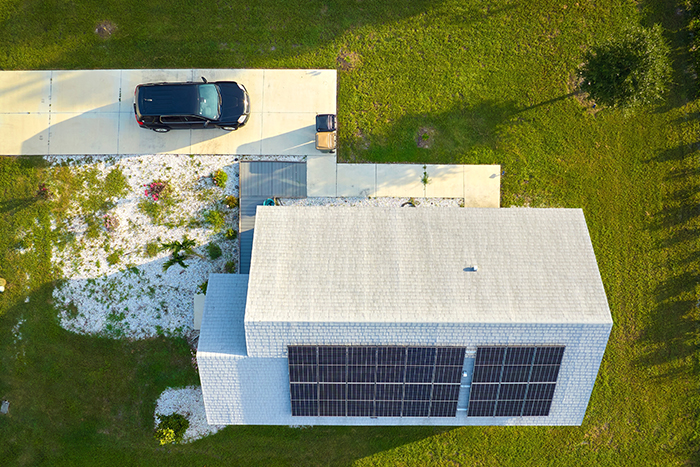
(91, 112)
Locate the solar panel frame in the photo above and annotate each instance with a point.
(522, 384)
(375, 381)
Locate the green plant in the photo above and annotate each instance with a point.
(629, 70)
(158, 189)
(231, 234)
(171, 428)
(114, 257)
(231, 202)
(230, 267)
(425, 179)
(43, 192)
(116, 184)
(202, 288)
(214, 251)
(153, 210)
(220, 177)
(180, 251)
(111, 222)
(152, 249)
(215, 219)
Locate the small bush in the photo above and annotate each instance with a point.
(230, 267)
(231, 234)
(151, 209)
(214, 251)
(157, 190)
(215, 219)
(202, 288)
(220, 178)
(111, 222)
(116, 184)
(231, 202)
(43, 192)
(630, 70)
(114, 257)
(152, 249)
(171, 428)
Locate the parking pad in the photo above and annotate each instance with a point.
(91, 112)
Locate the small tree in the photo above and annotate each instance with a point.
(627, 71)
(180, 251)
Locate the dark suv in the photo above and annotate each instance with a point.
(163, 107)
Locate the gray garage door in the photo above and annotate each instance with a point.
(260, 181)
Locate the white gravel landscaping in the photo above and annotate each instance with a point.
(135, 298)
(189, 403)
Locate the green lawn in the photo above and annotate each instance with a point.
(492, 81)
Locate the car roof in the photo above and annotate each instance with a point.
(167, 99)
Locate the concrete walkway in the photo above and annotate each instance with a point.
(91, 112)
(478, 185)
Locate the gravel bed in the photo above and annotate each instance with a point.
(135, 298)
(189, 403)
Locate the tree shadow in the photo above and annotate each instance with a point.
(671, 336)
(675, 19)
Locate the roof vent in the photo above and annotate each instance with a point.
(473, 268)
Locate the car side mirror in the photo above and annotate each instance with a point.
(204, 79)
(206, 124)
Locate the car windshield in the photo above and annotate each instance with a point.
(208, 95)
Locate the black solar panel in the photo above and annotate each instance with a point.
(448, 374)
(516, 378)
(337, 381)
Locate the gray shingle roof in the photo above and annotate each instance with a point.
(408, 265)
(222, 322)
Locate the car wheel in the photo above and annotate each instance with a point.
(161, 130)
(229, 128)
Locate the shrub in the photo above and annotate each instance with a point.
(202, 288)
(171, 428)
(231, 234)
(114, 257)
(231, 202)
(220, 177)
(630, 70)
(116, 184)
(43, 192)
(158, 189)
(151, 209)
(111, 222)
(214, 251)
(180, 251)
(215, 219)
(230, 267)
(152, 249)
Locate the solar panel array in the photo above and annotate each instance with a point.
(514, 381)
(344, 381)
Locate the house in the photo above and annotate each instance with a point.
(407, 316)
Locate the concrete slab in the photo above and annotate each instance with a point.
(321, 176)
(400, 180)
(84, 133)
(135, 140)
(482, 186)
(357, 179)
(85, 91)
(25, 91)
(24, 134)
(244, 141)
(293, 97)
(131, 78)
(445, 181)
(288, 133)
(300, 91)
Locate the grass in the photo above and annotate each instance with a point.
(493, 83)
